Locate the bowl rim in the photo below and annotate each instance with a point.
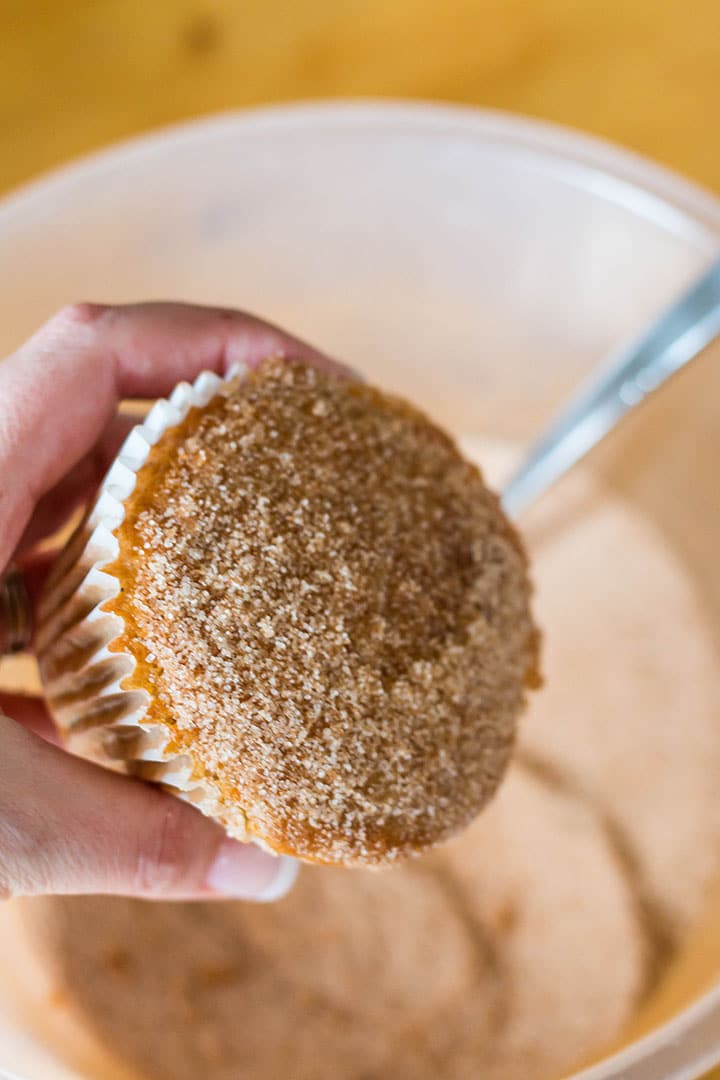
(650, 190)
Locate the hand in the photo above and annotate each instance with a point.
(66, 825)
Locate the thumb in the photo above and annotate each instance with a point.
(68, 826)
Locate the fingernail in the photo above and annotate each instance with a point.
(245, 872)
(238, 370)
(284, 879)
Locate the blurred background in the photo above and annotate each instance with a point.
(77, 74)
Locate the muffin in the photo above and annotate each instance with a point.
(297, 605)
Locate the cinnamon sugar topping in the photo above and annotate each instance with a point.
(331, 613)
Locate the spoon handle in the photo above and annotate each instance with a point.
(632, 373)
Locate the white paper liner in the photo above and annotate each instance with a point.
(81, 676)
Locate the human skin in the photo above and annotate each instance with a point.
(66, 825)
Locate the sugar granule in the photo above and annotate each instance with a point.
(337, 614)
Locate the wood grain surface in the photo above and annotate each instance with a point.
(77, 74)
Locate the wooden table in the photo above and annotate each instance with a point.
(77, 74)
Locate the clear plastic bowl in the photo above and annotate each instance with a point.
(478, 262)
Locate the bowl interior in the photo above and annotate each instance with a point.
(478, 264)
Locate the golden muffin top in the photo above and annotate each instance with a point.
(331, 614)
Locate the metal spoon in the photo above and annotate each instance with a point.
(630, 375)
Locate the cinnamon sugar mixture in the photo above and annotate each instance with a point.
(515, 952)
(332, 613)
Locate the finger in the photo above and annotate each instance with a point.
(59, 391)
(78, 486)
(159, 344)
(31, 713)
(67, 826)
